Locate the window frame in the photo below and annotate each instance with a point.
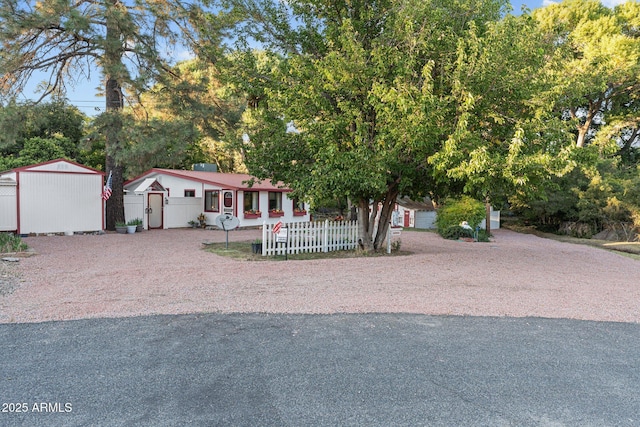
(251, 206)
(278, 201)
(206, 205)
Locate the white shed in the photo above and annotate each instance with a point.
(8, 204)
(59, 196)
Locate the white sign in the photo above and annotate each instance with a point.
(281, 237)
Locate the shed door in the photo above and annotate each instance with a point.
(154, 210)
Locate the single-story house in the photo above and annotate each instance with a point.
(416, 214)
(170, 198)
(59, 196)
(422, 214)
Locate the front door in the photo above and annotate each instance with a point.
(154, 210)
(227, 202)
(407, 218)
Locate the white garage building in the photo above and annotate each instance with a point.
(59, 196)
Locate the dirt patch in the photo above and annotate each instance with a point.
(168, 272)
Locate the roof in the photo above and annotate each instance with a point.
(232, 181)
(7, 181)
(58, 166)
(425, 205)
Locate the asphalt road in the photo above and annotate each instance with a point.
(329, 370)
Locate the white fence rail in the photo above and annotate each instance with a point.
(316, 236)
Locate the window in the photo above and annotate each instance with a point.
(275, 201)
(251, 201)
(212, 201)
(298, 206)
(189, 193)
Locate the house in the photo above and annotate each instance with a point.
(170, 198)
(59, 196)
(416, 214)
(422, 214)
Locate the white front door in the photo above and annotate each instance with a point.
(227, 202)
(154, 210)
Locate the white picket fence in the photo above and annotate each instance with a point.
(315, 236)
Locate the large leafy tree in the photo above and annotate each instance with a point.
(595, 67)
(351, 97)
(67, 39)
(41, 132)
(506, 144)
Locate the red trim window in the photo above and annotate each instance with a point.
(212, 201)
(190, 193)
(298, 208)
(251, 206)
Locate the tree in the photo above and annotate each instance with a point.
(595, 67)
(351, 98)
(41, 132)
(66, 39)
(194, 94)
(505, 145)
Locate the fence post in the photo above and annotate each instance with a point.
(264, 238)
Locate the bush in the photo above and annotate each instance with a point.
(455, 211)
(456, 232)
(11, 243)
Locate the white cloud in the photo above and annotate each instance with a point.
(548, 2)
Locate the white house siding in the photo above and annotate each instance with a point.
(8, 206)
(495, 221)
(52, 202)
(425, 219)
(177, 185)
(134, 207)
(180, 210)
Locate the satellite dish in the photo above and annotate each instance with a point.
(227, 222)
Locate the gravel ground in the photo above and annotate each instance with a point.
(168, 272)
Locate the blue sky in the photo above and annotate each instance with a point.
(84, 94)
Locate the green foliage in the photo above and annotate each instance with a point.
(455, 232)
(11, 243)
(353, 99)
(34, 133)
(144, 144)
(455, 211)
(594, 198)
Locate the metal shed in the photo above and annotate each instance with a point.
(8, 205)
(59, 196)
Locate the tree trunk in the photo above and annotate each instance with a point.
(367, 220)
(388, 205)
(366, 224)
(114, 104)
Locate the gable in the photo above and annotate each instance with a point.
(58, 165)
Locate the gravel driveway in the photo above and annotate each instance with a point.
(168, 272)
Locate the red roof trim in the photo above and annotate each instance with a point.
(230, 181)
(28, 168)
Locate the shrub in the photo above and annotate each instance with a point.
(11, 243)
(455, 211)
(456, 232)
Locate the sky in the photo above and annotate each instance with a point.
(85, 98)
